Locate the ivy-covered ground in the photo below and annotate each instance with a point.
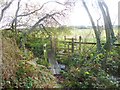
(24, 65)
(20, 69)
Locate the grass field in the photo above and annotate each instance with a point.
(86, 34)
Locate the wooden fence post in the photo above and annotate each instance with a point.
(68, 50)
(51, 42)
(56, 45)
(64, 41)
(72, 45)
(80, 44)
(45, 52)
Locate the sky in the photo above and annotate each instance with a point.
(78, 16)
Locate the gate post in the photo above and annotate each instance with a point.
(68, 50)
(72, 45)
(51, 42)
(80, 44)
(45, 52)
(64, 41)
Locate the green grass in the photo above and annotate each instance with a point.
(86, 34)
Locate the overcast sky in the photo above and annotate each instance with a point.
(78, 15)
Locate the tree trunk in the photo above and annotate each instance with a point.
(110, 38)
(119, 34)
(99, 47)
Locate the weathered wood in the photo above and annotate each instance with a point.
(63, 48)
(68, 50)
(62, 53)
(64, 41)
(71, 38)
(79, 43)
(96, 43)
(88, 43)
(72, 45)
(45, 52)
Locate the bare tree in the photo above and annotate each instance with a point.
(99, 47)
(110, 37)
(38, 16)
(3, 10)
(44, 16)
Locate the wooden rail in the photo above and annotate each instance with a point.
(86, 43)
(72, 44)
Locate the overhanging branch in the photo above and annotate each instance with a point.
(40, 20)
(23, 15)
(45, 30)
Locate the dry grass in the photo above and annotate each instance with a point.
(10, 57)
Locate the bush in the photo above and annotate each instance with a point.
(87, 73)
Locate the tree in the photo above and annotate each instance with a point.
(110, 37)
(29, 15)
(5, 8)
(99, 47)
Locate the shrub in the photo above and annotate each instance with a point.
(87, 73)
(31, 75)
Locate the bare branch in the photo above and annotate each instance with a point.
(3, 10)
(55, 20)
(23, 15)
(16, 14)
(45, 29)
(46, 16)
(38, 9)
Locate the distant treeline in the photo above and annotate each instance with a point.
(63, 27)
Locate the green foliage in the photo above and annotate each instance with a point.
(84, 72)
(35, 43)
(113, 62)
(59, 32)
(8, 33)
(27, 73)
(31, 75)
(42, 62)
